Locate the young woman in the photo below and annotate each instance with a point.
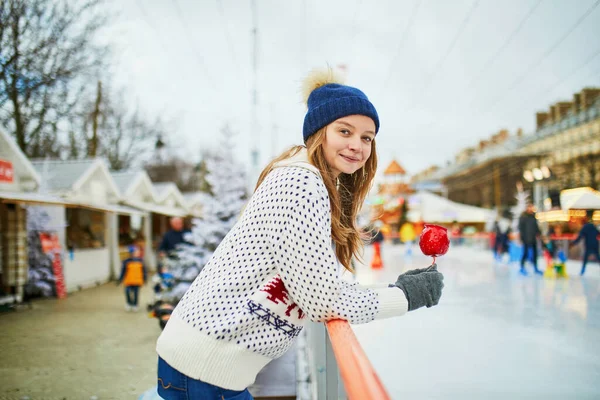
(278, 267)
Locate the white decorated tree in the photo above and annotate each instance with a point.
(222, 205)
(226, 195)
(522, 200)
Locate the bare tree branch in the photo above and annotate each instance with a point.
(47, 48)
(124, 135)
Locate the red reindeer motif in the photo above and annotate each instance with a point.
(276, 290)
(278, 294)
(288, 311)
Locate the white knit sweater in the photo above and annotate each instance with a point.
(275, 270)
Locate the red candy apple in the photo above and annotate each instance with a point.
(434, 240)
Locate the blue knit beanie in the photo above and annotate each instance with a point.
(330, 101)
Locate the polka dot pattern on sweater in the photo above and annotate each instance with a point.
(285, 231)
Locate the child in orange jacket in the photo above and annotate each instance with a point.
(133, 275)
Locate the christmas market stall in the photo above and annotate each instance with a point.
(574, 207)
(91, 232)
(19, 200)
(564, 224)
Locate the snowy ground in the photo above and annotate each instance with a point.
(496, 334)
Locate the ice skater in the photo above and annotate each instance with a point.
(529, 231)
(589, 233)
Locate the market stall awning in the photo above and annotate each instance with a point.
(34, 198)
(114, 208)
(158, 209)
(48, 199)
(584, 198)
(126, 210)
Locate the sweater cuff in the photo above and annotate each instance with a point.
(375, 286)
(392, 302)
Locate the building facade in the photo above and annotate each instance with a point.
(565, 146)
(563, 153)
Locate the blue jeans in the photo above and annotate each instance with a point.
(586, 255)
(131, 294)
(173, 385)
(526, 247)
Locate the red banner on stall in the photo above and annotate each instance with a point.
(7, 171)
(51, 246)
(61, 290)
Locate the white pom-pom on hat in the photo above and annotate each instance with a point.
(319, 77)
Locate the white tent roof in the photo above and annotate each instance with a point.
(583, 198)
(433, 208)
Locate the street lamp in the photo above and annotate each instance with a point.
(537, 176)
(546, 172)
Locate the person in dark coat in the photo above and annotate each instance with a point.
(529, 232)
(177, 235)
(589, 233)
(171, 240)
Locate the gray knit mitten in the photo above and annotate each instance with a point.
(422, 287)
(432, 267)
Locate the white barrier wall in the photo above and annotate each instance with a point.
(87, 268)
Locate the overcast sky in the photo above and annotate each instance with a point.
(442, 74)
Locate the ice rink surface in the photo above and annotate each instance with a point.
(496, 334)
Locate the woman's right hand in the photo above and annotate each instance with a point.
(422, 287)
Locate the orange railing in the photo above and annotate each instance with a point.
(360, 379)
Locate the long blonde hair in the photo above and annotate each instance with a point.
(347, 193)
